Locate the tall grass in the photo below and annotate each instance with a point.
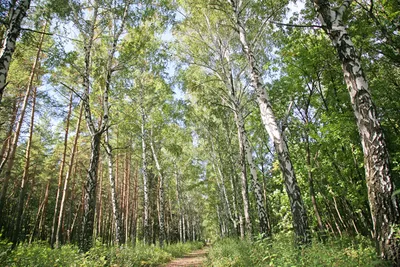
(40, 254)
(281, 252)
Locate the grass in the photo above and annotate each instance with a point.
(281, 252)
(40, 254)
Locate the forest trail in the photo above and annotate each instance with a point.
(193, 259)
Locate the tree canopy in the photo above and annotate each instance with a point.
(157, 122)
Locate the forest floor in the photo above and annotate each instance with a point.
(193, 259)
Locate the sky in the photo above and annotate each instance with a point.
(71, 32)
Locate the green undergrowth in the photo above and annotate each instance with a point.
(40, 254)
(280, 251)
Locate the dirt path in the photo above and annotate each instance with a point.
(193, 259)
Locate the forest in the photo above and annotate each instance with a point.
(132, 132)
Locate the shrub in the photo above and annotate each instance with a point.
(40, 254)
(230, 252)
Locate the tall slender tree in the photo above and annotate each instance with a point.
(299, 214)
(13, 148)
(16, 16)
(25, 174)
(376, 157)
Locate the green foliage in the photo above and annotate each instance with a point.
(140, 255)
(40, 254)
(281, 252)
(180, 249)
(230, 252)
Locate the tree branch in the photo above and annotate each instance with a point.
(35, 31)
(73, 90)
(297, 25)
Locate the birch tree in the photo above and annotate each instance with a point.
(16, 16)
(300, 221)
(376, 157)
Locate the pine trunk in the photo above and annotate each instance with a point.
(67, 177)
(13, 149)
(128, 190)
(134, 207)
(38, 213)
(61, 172)
(25, 174)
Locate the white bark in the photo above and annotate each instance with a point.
(299, 215)
(161, 215)
(114, 199)
(9, 44)
(384, 212)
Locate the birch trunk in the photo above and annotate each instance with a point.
(262, 215)
(178, 197)
(384, 211)
(161, 215)
(221, 184)
(146, 203)
(299, 215)
(89, 203)
(245, 194)
(89, 199)
(9, 44)
(119, 235)
(6, 148)
(99, 204)
(95, 133)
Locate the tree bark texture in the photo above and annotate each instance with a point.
(6, 148)
(146, 202)
(89, 204)
(262, 215)
(299, 215)
(161, 214)
(119, 235)
(9, 44)
(376, 157)
(245, 192)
